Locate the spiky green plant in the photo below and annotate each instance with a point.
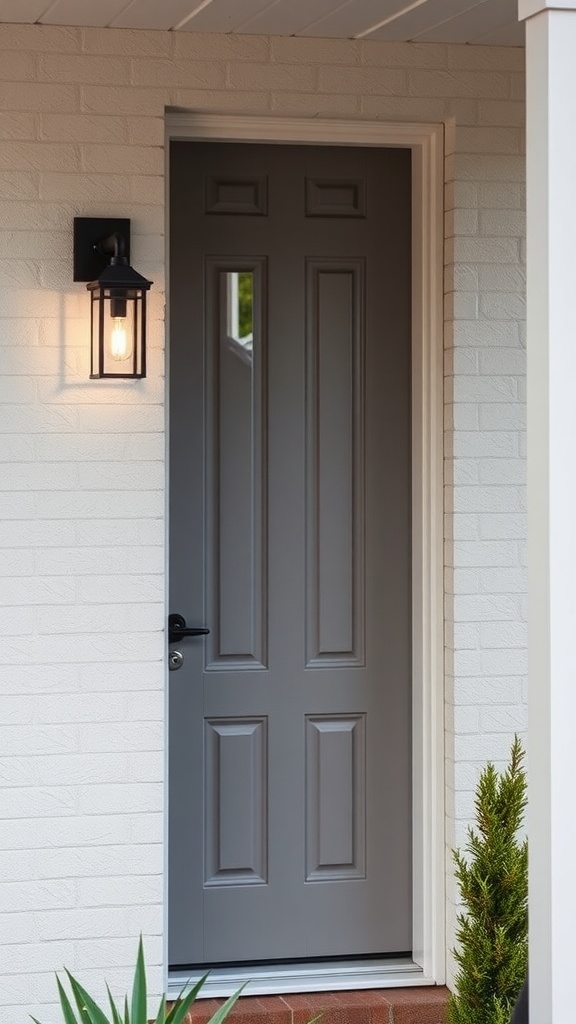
(492, 876)
(87, 1010)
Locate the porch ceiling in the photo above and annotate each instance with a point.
(436, 21)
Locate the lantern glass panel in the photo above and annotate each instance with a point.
(118, 323)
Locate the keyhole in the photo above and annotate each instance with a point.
(175, 660)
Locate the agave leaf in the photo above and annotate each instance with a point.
(35, 1019)
(161, 1015)
(116, 1018)
(89, 1010)
(224, 1010)
(67, 1011)
(126, 1011)
(180, 1008)
(139, 1001)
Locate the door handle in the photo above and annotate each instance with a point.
(177, 629)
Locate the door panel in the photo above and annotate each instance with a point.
(290, 751)
(335, 455)
(335, 829)
(235, 822)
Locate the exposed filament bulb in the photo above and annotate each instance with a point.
(120, 344)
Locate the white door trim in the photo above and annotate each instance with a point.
(427, 144)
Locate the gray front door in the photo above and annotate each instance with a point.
(290, 723)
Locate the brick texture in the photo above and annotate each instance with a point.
(82, 484)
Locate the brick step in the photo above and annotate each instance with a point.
(418, 1005)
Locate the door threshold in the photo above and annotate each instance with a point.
(330, 976)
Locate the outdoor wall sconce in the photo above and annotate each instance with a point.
(117, 297)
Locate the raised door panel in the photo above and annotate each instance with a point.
(335, 460)
(335, 798)
(235, 804)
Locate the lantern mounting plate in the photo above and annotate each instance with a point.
(88, 232)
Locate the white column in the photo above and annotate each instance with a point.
(551, 287)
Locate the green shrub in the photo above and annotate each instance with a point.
(88, 1012)
(492, 876)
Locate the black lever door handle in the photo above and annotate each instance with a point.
(177, 629)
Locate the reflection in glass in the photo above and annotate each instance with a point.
(240, 313)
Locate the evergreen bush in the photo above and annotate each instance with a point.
(492, 876)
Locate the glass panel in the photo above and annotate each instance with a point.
(238, 468)
(116, 335)
(235, 463)
(240, 312)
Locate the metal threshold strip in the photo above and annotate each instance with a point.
(328, 976)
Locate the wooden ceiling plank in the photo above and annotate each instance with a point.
(154, 14)
(83, 12)
(354, 18)
(489, 15)
(223, 15)
(25, 12)
(287, 17)
(420, 19)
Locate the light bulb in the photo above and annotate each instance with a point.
(120, 346)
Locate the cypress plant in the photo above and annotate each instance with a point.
(492, 876)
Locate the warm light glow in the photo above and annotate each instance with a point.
(120, 341)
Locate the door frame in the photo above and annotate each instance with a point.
(426, 141)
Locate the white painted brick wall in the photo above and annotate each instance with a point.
(82, 481)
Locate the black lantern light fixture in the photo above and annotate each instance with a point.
(117, 297)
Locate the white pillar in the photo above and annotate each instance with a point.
(551, 287)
